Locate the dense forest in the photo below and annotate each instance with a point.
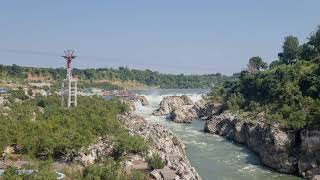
(286, 92)
(146, 77)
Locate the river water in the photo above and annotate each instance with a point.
(214, 157)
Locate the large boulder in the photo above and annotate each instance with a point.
(170, 103)
(205, 110)
(183, 115)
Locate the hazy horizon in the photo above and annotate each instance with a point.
(169, 36)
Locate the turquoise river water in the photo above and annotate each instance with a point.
(214, 157)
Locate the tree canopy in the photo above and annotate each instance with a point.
(288, 93)
(290, 50)
(256, 64)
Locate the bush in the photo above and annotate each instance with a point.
(108, 170)
(155, 162)
(19, 94)
(133, 144)
(138, 175)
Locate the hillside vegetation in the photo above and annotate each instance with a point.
(286, 92)
(145, 77)
(43, 131)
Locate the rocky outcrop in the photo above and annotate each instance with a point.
(183, 115)
(206, 110)
(166, 145)
(93, 153)
(181, 109)
(143, 100)
(133, 102)
(309, 161)
(293, 152)
(170, 103)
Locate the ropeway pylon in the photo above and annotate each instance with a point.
(69, 89)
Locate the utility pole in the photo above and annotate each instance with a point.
(69, 89)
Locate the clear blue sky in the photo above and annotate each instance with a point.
(172, 36)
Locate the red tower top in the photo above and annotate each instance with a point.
(68, 56)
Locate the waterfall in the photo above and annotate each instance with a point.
(138, 105)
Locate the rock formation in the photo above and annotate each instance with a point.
(95, 152)
(293, 152)
(132, 101)
(206, 110)
(183, 115)
(170, 103)
(166, 145)
(181, 109)
(143, 100)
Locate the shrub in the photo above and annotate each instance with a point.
(19, 94)
(138, 175)
(155, 162)
(108, 170)
(133, 144)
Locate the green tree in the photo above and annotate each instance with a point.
(275, 64)
(314, 40)
(307, 52)
(255, 64)
(290, 50)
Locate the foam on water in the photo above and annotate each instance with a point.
(138, 105)
(214, 157)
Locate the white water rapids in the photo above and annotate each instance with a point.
(214, 157)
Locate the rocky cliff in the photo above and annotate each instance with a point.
(164, 143)
(293, 152)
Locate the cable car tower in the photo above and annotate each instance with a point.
(69, 88)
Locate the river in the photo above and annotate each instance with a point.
(214, 157)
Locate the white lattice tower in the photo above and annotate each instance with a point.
(69, 89)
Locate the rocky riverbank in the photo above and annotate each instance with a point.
(292, 152)
(164, 143)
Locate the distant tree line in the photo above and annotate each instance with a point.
(147, 77)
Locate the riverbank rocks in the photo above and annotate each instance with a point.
(169, 103)
(293, 152)
(205, 110)
(143, 100)
(164, 143)
(133, 102)
(94, 153)
(309, 161)
(183, 115)
(181, 109)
